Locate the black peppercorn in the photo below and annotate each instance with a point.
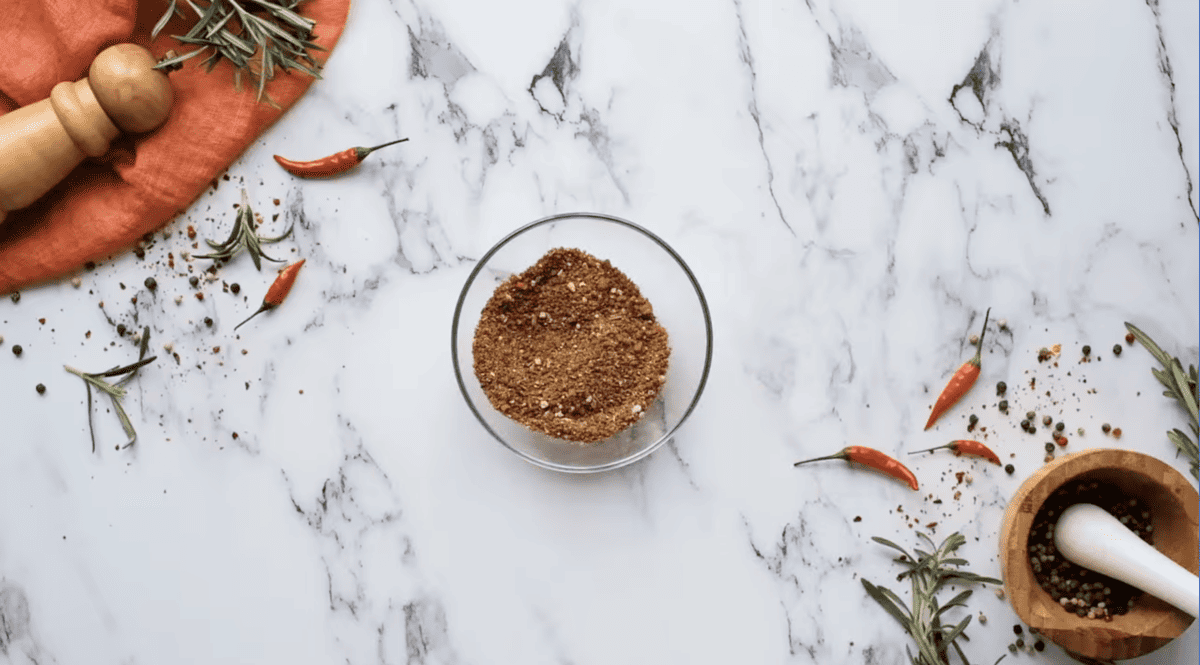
(1030, 415)
(1001, 388)
(973, 419)
(1105, 428)
(16, 297)
(1017, 629)
(17, 349)
(120, 328)
(1049, 447)
(1087, 350)
(151, 283)
(1025, 425)
(1020, 643)
(1039, 645)
(1116, 349)
(1047, 420)
(1004, 406)
(1009, 469)
(208, 321)
(139, 252)
(194, 280)
(41, 388)
(90, 265)
(1060, 426)
(235, 287)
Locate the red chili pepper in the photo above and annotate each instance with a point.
(966, 447)
(871, 458)
(962, 380)
(278, 291)
(333, 164)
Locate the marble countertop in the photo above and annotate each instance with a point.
(853, 184)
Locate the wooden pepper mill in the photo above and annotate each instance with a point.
(41, 143)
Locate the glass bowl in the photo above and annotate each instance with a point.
(663, 278)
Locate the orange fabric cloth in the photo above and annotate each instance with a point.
(106, 205)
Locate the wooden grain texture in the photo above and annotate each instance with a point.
(1175, 508)
(43, 142)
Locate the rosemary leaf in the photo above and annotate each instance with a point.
(884, 541)
(162, 22)
(928, 575)
(875, 592)
(1182, 388)
(115, 391)
(258, 37)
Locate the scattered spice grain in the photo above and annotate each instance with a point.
(579, 365)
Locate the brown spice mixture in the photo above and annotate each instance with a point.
(571, 348)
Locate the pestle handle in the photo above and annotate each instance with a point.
(1091, 537)
(41, 143)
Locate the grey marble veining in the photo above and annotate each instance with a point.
(854, 184)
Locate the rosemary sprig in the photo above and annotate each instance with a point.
(929, 572)
(1180, 386)
(115, 391)
(256, 36)
(244, 236)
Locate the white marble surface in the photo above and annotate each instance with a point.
(853, 182)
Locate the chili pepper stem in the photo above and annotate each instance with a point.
(838, 455)
(977, 360)
(929, 450)
(362, 153)
(260, 310)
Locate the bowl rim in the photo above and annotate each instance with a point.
(708, 330)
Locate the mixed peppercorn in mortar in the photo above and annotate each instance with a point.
(571, 348)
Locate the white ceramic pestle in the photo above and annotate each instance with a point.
(1091, 537)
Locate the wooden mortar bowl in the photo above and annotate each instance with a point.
(1174, 506)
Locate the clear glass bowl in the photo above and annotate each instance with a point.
(663, 278)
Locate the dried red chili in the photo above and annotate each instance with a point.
(962, 380)
(966, 447)
(874, 459)
(334, 164)
(278, 291)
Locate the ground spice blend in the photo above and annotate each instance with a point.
(571, 348)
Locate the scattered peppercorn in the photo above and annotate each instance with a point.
(1020, 643)
(1062, 441)
(1030, 415)
(1025, 425)
(1087, 350)
(120, 328)
(1129, 338)
(17, 349)
(1106, 428)
(194, 280)
(1017, 629)
(1049, 447)
(90, 265)
(151, 283)
(1003, 406)
(139, 252)
(1116, 349)
(1039, 645)
(41, 388)
(16, 297)
(1009, 469)
(235, 287)
(1001, 388)
(1116, 432)
(1012, 648)
(1047, 421)
(208, 321)
(1060, 426)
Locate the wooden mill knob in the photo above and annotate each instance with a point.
(41, 143)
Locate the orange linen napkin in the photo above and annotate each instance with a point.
(105, 205)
